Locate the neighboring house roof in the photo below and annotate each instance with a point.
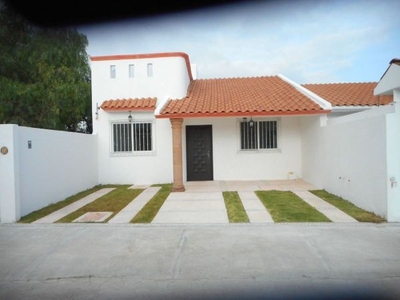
(349, 94)
(129, 104)
(252, 96)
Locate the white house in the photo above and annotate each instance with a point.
(155, 122)
(206, 129)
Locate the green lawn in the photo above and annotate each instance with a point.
(150, 210)
(234, 207)
(35, 215)
(285, 206)
(348, 207)
(113, 201)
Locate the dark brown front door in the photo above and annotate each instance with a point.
(199, 160)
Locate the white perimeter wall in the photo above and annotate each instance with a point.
(230, 163)
(58, 165)
(349, 157)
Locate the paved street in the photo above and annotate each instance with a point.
(220, 261)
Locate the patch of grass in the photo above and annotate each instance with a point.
(349, 208)
(114, 201)
(35, 215)
(285, 206)
(150, 210)
(234, 207)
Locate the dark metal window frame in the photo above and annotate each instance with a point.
(263, 135)
(132, 137)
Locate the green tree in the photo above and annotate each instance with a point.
(44, 75)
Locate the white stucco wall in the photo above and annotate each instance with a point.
(9, 179)
(349, 157)
(58, 165)
(393, 159)
(230, 163)
(143, 168)
(169, 81)
(389, 81)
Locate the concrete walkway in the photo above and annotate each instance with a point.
(203, 203)
(255, 209)
(129, 211)
(61, 213)
(334, 214)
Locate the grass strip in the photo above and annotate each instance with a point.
(114, 201)
(40, 213)
(234, 207)
(349, 208)
(150, 210)
(285, 206)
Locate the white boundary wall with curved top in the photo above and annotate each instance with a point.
(356, 157)
(58, 164)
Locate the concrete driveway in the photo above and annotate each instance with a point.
(203, 203)
(225, 261)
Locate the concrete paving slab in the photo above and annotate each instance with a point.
(203, 205)
(193, 207)
(57, 215)
(255, 210)
(139, 187)
(203, 188)
(194, 196)
(130, 211)
(242, 187)
(201, 261)
(93, 217)
(191, 217)
(329, 210)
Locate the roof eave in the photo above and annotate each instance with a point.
(243, 114)
(128, 109)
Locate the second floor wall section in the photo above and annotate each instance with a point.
(160, 75)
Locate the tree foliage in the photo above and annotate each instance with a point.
(44, 75)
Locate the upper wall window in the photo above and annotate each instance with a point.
(256, 135)
(149, 70)
(113, 71)
(131, 71)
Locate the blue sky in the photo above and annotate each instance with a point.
(307, 41)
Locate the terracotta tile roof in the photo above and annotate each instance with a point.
(240, 96)
(129, 104)
(349, 94)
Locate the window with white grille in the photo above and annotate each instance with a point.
(256, 135)
(132, 137)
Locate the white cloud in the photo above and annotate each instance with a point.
(307, 41)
